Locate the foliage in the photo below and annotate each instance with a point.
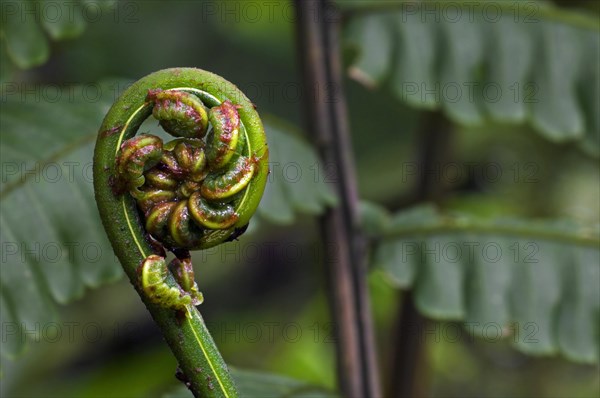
(532, 281)
(26, 25)
(522, 63)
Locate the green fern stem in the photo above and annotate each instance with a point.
(194, 192)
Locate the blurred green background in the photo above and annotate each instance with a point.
(271, 313)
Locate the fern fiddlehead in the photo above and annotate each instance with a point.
(194, 192)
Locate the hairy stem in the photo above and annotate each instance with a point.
(202, 367)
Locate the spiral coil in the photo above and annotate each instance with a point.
(188, 189)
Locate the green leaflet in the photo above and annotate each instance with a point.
(528, 63)
(27, 22)
(536, 282)
(52, 246)
(24, 39)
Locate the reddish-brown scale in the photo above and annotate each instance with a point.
(255, 159)
(111, 131)
(182, 254)
(192, 114)
(144, 151)
(152, 93)
(180, 316)
(187, 188)
(226, 123)
(157, 247)
(116, 185)
(178, 103)
(226, 137)
(248, 166)
(170, 164)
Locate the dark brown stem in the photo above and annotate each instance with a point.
(408, 362)
(318, 26)
(349, 188)
(409, 352)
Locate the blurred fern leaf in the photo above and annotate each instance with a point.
(535, 282)
(503, 61)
